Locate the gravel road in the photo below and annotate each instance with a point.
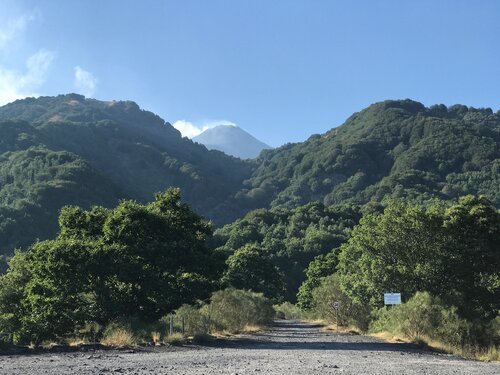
(288, 347)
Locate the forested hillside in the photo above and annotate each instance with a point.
(289, 238)
(391, 149)
(64, 150)
(71, 150)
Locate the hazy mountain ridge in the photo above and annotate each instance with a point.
(231, 140)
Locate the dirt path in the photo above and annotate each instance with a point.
(286, 348)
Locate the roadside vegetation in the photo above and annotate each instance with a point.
(443, 259)
(155, 274)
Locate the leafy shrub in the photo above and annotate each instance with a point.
(232, 309)
(195, 320)
(424, 316)
(349, 312)
(287, 310)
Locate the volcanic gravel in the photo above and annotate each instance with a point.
(287, 347)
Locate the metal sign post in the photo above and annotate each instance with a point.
(336, 306)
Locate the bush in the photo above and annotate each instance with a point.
(233, 309)
(349, 313)
(424, 316)
(195, 320)
(287, 310)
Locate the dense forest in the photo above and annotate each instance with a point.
(399, 198)
(392, 149)
(289, 238)
(67, 149)
(134, 265)
(72, 150)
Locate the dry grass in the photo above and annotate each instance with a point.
(389, 337)
(343, 329)
(119, 338)
(76, 341)
(156, 337)
(492, 353)
(223, 333)
(250, 328)
(48, 344)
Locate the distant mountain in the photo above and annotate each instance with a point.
(231, 140)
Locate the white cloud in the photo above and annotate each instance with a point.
(85, 82)
(13, 27)
(190, 130)
(17, 85)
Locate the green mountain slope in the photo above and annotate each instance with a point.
(390, 149)
(71, 150)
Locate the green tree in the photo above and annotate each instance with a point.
(399, 250)
(58, 295)
(12, 285)
(250, 268)
(320, 267)
(134, 260)
(473, 225)
(452, 253)
(330, 291)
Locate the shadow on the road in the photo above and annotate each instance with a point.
(248, 343)
(293, 324)
(296, 335)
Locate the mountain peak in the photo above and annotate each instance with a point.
(232, 140)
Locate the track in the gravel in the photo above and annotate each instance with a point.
(288, 347)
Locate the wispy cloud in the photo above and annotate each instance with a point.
(15, 84)
(13, 27)
(190, 130)
(85, 82)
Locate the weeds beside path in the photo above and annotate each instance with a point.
(287, 347)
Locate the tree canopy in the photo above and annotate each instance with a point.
(450, 252)
(133, 260)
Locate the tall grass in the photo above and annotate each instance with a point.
(119, 337)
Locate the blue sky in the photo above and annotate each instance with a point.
(282, 70)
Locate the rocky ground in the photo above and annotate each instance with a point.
(288, 347)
